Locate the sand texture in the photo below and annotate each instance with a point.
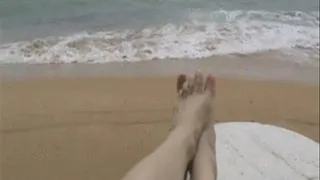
(97, 128)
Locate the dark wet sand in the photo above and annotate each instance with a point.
(64, 128)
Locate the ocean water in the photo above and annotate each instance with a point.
(101, 31)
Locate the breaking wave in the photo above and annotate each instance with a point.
(204, 34)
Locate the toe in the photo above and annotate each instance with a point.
(191, 83)
(210, 84)
(198, 82)
(181, 85)
(182, 78)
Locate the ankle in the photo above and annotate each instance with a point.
(188, 137)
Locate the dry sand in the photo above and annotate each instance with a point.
(97, 128)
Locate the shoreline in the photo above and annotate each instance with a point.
(254, 66)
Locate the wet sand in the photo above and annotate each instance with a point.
(80, 128)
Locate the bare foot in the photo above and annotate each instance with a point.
(195, 100)
(195, 97)
(194, 111)
(195, 106)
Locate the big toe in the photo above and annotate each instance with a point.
(182, 85)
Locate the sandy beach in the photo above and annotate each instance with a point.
(97, 127)
(88, 88)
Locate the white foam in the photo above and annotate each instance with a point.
(255, 151)
(220, 32)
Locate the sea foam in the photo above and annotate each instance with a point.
(203, 35)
